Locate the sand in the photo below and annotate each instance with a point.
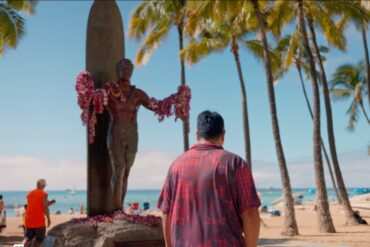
(350, 236)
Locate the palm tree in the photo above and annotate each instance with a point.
(325, 220)
(12, 25)
(290, 224)
(211, 32)
(301, 63)
(349, 81)
(360, 16)
(155, 18)
(318, 10)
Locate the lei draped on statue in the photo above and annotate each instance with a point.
(92, 102)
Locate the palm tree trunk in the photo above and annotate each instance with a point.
(342, 188)
(363, 29)
(364, 112)
(290, 227)
(247, 141)
(322, 142)
(185, 125)
(324, 217)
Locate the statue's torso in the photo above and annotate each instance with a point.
(124, 110)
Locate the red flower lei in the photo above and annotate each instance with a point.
(92, 102)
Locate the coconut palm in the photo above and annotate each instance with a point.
(155, 19)
(325, 220)
(212, 32)
(319, 13)
(349, 82)
(12, 25)
(283, 13)
(290, 223)
(301, 64)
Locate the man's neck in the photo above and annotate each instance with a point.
(210, 142)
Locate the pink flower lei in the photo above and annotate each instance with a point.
(149, 220)
(92, 102)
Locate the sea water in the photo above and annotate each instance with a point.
(65, 200)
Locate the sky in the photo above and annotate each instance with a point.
(41, 134)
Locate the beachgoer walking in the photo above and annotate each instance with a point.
(209, 197)
(37, 209)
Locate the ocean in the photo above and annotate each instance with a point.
(73, 199)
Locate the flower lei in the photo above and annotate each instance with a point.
(149, 220)
(177, 103)
(92, 102)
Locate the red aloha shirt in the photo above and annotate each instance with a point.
(205, 192)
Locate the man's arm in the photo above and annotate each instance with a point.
(46, 209)
(166, 230)
(251, 226)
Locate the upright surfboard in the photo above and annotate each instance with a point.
(104, 48)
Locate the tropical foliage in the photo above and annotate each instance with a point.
(349, 82)
(12, 24)
(155, 20)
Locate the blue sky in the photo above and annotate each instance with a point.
(40, 119)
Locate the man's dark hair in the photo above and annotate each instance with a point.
(210, 125)
(1, 197)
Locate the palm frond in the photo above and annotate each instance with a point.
(292, 48)
(323, 20)
(25, 6)
(281, 14)
(12, 26)
(195, 51)
(151, 42)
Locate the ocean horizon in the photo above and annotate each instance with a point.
(67, 199)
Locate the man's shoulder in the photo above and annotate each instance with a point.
(232, 159)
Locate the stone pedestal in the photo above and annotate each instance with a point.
(118, 233)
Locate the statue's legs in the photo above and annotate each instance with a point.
(130, 153)
(122, 145)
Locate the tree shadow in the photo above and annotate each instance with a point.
(10, 240)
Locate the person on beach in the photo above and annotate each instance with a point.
(37, 209)
(209, 197)
(2, 214)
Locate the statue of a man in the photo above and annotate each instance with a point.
(124, 101)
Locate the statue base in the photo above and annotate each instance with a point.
(119, 233)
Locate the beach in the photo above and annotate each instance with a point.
(350, 236)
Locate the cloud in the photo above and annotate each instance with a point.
(151, 167)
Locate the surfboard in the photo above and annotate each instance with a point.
(104, 48)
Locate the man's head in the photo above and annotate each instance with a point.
(210, 127)
(124, 69)
(1, 197)
(41, 183)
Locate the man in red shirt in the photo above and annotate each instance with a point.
(37, 209)
(209, 197)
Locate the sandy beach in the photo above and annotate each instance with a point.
(350, 236)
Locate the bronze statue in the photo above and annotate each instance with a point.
(124, 101)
